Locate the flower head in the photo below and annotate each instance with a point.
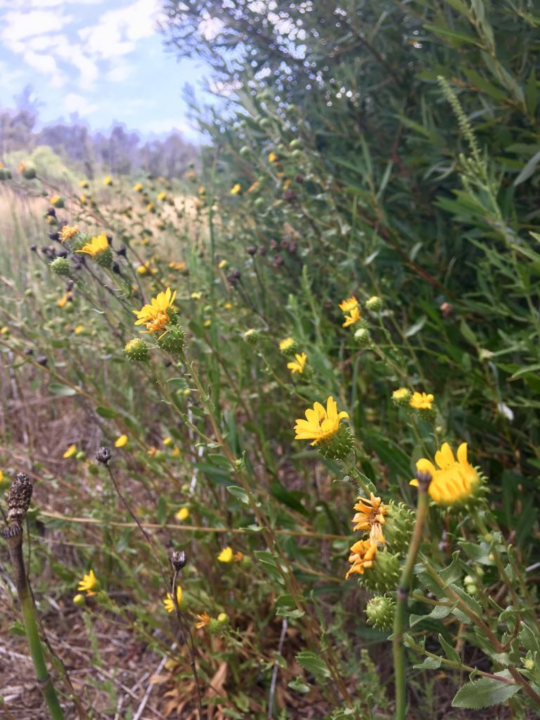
(67, 232)
(107, 180)
(286, 344)
(226, 555)
(89, 584)
(320, 423)
(362, 557)
(421, 401)
(273, 157)
(370, 517)
(162, 195)
(298, 364)
(66, 297)
(353, 317)
(138, 187)
(236, 189)
(96, 246)
(453, 480)
(70, 452)
(202, 620)
(156, 315)
(348, 304)
(168, 602)
(182, 514)
(400, 395)
(121, 441)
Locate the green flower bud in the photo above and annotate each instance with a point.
(79, 600)
(398, 527)
(173, 341)
(5, 173)
(137, 350)
(363, 337)
(28, 172)
(374, 304)
(57, 201)
(61, 266)
(339, 445)
(384, 574)
(295, 144)
(245, 151)
(401, 397)
(252, 337)
(105, 258)
(380, 612)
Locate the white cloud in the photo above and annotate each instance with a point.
(22, 25)
(74, 103)
(119, 73)
(117, 31)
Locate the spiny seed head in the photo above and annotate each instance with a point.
(18, 498)
(178, 559)
(103, 455)
(61, 266)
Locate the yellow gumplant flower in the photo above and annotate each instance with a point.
(138, 187)
(226, 555)
(121, 441)
(286, 344)
(107, 180)
(1, 476)
(421, 401)
(155, 316)
(89, 584)
(96, 246)
(236, 189)
(348, 304)
(362, 557)
(202, 620)
(168, 602)
(453, 480)
(401, 395)
(67, 232)
(66, 297)
(162, 195)
(320, 423)
(79, 329)
(83, 184)
(370, 517)
(353, 317)
(182, 514)
(298, 364)
(70, 452)
(273, 157)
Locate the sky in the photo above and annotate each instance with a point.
(102, 59)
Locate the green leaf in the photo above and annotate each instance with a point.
(528, 170)
(106, 412)
(418, 325)
(485, 692)
(451, 654)
(238, 493)
(429, 664)
(59, 389)
(298, 685)
(313, 664)
(439, 612)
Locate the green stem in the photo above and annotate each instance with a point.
(403, 591)
(14, 536)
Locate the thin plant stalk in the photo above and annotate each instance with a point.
(403, 592)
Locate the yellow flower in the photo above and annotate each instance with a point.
(54, 199)
(83, 184)
(453, 480)
(226, 555)
(320, 424)
(228, 306)
(66, 297)
(89, 583)
(348, 304)
(107, 180)
(196, 295)
(273, 157)
(175, 452)
(150, 207)
(370, 517)
(182, 514)
(253, 187)
(96, 246)
(138, 187)
(298, 364)
(202, 620)
(168, 603)
(207, 323)
(79, 329)
(222, 264)
(70, 452)
(362, 557)
(121, 441)
(421, 401)
(352, 318)
(167, 441)
(162, 195)
(202, 191)
(286, 344)
(1, 476)
(236, 189)
(177, 266)
(400, 394)
(82, 199)
(156, 315)
(68, 231)
(4, 330)
(152, 451)
(222, 618)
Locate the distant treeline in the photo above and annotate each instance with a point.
(119, 151)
